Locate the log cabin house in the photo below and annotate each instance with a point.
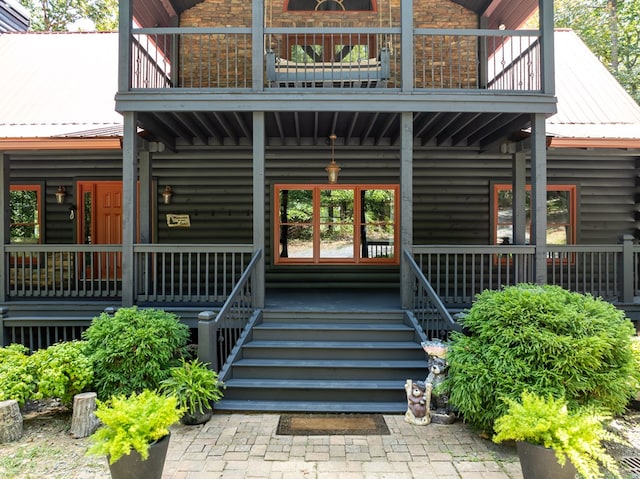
(314, 186)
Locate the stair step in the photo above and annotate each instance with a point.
(316, 406)
(330, 316)
(329, 331)
(328, 369)
(315, 390)
(370, 350)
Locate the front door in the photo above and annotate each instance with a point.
(100, 222)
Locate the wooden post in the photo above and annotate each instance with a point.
(10, 421)
(84, 421)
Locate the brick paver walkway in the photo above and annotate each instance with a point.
(246, 446)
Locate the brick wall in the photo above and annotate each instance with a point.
(225, 60)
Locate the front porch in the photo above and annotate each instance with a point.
(44, 286)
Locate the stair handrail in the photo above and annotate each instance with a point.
(427, 304)
(229, 321)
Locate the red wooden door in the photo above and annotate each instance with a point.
(100, 222)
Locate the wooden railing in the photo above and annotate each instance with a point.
(177, 273)
(427, 308)
(218, 333)
(459, 272)
(62, 271)
(222, 58)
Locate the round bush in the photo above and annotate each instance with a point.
(544, 340)
(133, 350)
(62, 371)
(17, 376)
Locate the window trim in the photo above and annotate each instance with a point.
(38, 188)
(573, 202)
(315, 223)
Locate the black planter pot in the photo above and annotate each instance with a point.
(193, 419)
(133, 467)
(539, 462)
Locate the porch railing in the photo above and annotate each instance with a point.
(459, 272)
(427, 308)
(336, 57)
(218, 333)
(179, 273)
(63, 271)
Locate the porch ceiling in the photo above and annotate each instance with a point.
(446, 129)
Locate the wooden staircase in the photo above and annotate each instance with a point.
(325, 361)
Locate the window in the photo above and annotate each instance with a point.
(336, 224)
(25, 204)
(561, 214)
(349, 48)
(330, 5)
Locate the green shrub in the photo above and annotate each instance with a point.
(545, 340)
(574, 435)
(17, 378)
(134, 349)
(194, 385)
(62, 371)
(132, 422)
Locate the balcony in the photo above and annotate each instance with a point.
(222, 59)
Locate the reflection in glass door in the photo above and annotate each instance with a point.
(336, 224)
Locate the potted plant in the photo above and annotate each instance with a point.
(553, 441)
(135, 433)
(196, 388)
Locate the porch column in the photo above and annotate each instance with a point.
(257, 48)
(547, 41)
(539, 196)
(5, 235)
(129, 207)
(406, 44)
(258, 207)
(406, 205)
(519, 214)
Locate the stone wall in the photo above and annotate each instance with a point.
(225, 60)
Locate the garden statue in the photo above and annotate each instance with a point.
(441, 412)
(418, 402)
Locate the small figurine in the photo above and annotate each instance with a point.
(441, 413)
(418, 402)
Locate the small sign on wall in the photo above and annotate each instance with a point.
(178, 221)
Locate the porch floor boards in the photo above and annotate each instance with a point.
(333, 299)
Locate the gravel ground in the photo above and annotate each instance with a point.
(47, 450)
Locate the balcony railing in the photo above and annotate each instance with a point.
(221, 58)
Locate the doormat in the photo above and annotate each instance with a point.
(331, 425)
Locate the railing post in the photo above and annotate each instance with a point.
(207, 343)
(627, 268)
(3, 313)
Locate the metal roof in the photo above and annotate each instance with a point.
(591, 102)
(59, 85)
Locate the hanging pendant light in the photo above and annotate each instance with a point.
(333, 169)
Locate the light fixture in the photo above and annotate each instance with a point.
(60, 194)
(333, 169)
(167, 194)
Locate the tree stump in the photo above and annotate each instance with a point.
(84, 421)
(10, 421)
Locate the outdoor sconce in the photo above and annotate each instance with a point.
(167, 194)
(333, 169)
(60, 194)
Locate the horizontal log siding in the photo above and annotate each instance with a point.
(214, 188)
(63, 169)
(452, 194)
(451, 191)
